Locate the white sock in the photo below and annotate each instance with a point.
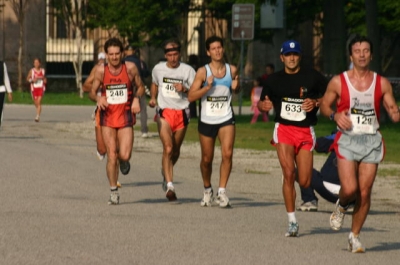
(208, 189)
(292, 217)
(169, 184)
(221, 190)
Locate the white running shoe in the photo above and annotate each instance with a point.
(355, 245)
(100, 156)
(171, 195)
(207, 198)
(222, 199)
(311, 206)
(293, 230)
(337, 217)
(114, 198)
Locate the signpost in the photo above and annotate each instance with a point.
(242, 29)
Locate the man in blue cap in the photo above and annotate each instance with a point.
(295, 94)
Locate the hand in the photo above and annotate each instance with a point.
(308, 104)
(210, 81)
(343, 120)
(235, 83)
(152, 103)
(179, 87)
(102, 103)
(135, 106)
(265, 105)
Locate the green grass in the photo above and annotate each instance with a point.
(71, 98)
(248, 136)
(258, 136)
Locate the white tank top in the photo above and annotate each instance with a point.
(362, 109)
(216, 103)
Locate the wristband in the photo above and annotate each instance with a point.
(332, 116)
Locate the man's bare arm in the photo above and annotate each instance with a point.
(98, 76)
(389, 101)
(87, 86)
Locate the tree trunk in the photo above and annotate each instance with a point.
(334, 41)
(21, 42)
(371, 16)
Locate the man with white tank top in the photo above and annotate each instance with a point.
(214, 84)
(358, 94)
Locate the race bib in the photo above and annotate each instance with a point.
(168, 88)
(217, 106)
(38, 83)
(291, 109)
(117, 93)
(363, 121)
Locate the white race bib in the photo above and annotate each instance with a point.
(38, 83)
(168, 88)
(217, 106)
(117, 93)
(363, 121)
(291, 109)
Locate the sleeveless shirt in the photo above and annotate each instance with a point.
(216, 103)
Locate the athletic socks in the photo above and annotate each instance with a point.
(292, 217)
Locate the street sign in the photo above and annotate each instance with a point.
(243, 21)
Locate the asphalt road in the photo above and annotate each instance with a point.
(54, 209)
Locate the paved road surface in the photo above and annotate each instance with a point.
(54, 210)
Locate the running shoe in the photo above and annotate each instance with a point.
(311, 206)
(207, 198)
(222, 199)
(119, 184)
(355, 245)
(293, 230)
(37, 118)
(100, 156)
(337, 217)
(171, 196)
(124, 166)
(114, 198)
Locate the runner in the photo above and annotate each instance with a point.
(120, 88)
(37, 78)
(171, 82)
(214, 84)
(358, 93)
(87, 86)
(294, 93)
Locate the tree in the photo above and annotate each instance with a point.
(74, 13)
(334, 43)
(388, 23)
(141, 22)
(20, 7)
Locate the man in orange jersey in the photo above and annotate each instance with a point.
(121, 88)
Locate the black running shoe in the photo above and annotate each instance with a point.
(124, 166)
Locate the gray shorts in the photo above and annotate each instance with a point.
(367, 148)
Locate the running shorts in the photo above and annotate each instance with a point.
(177, 119)
(211, 130)
(299, 137)
(368, 148)
(37, 92)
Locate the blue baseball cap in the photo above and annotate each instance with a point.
(290, 46)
